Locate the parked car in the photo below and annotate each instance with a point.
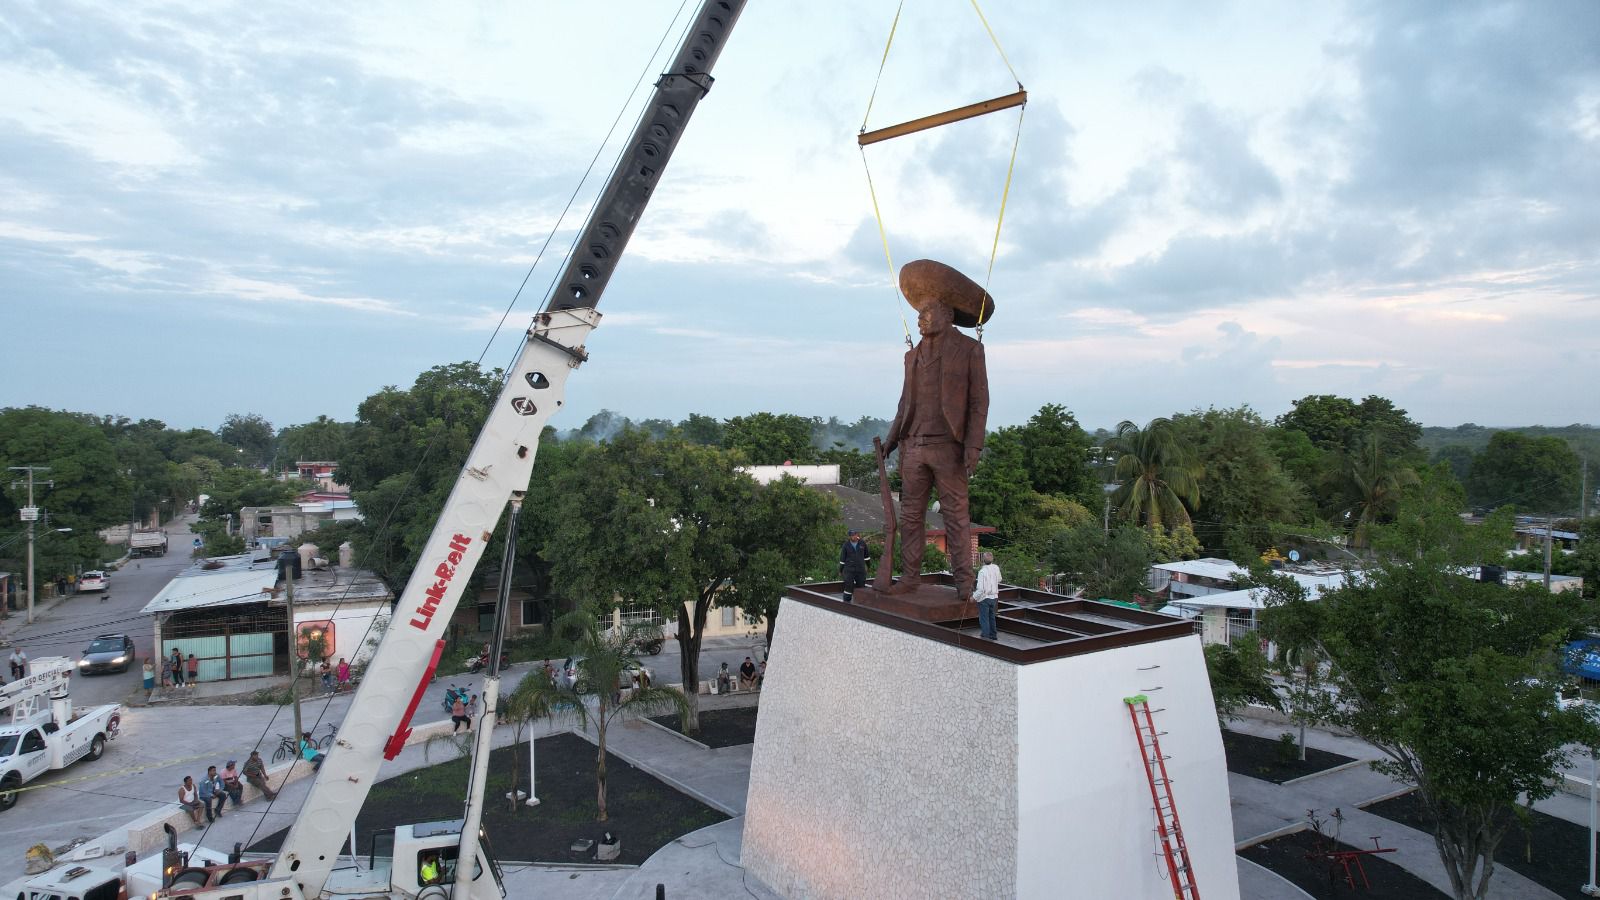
(92, 581)
(571, 675)
(107, 653)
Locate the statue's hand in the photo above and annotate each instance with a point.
(972, 461)
(889, 448)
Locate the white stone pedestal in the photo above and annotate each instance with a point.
(888, 764)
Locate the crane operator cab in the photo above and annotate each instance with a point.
(421, 861)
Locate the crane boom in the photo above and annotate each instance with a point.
(497, 468)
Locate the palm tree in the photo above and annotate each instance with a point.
(520, 711)
(1155, 474)
(1374, 481)
(604, 689)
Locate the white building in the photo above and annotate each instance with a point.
(231, 613)
(1209, 591)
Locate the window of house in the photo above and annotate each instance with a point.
(728, 617)
(530, 612)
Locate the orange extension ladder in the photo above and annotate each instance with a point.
(1155, 768)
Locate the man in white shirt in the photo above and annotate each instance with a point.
(987, 595)
(19, 663)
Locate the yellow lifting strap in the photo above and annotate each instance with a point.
(1005, 194)
(884, 236)
(1019, 99)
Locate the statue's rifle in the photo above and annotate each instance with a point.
(886, 559)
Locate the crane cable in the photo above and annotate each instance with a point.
(1005, 192)
(877, 213)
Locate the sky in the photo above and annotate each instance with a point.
(211, 208)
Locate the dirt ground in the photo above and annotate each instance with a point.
(1287, 856)
(1262, 758)
(645, 813)
(1552, 852)
(720, 727)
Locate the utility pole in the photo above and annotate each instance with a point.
(294, 653)
(30, 514)
(287, 571)
(1549, 535)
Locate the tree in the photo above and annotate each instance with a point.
(677, 525)
(1371, 480)
(1239, 675)
(526, 705)
(1326, 420)
(1335, 423)
(89, 489)
(1171, 545)
(404, 455)
(198, 444)
(251, 435)
(1532, 473)
(1454, 680)
(603, 426)
(1113, 565)
(233, 489)
(856, 469)
(1055, 449)
(855, 435)
(809, 519)
(1245, 486)
(1000, 492)
(321, 439)
(656, 428)
(1459, 457)
(605, 689)
(703, 430)
(1586, 559)
(1297, 456)
(1155, 474)
(770, 439)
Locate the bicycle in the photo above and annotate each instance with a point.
(327, 740)
(286, 749)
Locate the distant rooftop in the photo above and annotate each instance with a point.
(218, 581)
(810, 474)
(1210, 567)
(246, 578)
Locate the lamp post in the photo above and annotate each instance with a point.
(1591, 889)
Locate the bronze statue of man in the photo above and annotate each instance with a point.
(944, 410)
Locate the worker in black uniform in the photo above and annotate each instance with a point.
(853, 561)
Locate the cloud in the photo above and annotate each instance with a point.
(86, 116)
(259, 291)
(1225, 177)
(1377, 197)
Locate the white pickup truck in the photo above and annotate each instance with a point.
(43, 733)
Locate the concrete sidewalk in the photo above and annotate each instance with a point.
(1262, 810)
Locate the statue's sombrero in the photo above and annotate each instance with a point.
(924, 281)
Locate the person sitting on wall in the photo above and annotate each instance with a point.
(747, 675)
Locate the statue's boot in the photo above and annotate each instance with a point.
(906, 585)
(965, 586)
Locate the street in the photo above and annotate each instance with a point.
(160, 744)
(68, 627)
(664, 668)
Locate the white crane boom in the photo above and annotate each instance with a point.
(497, 469)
